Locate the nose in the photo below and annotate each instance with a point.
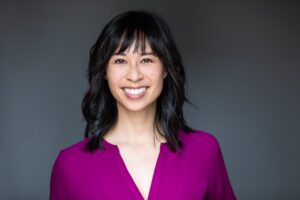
(134, 73)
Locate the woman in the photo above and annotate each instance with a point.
(137, 144)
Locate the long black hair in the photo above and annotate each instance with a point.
(99, 106)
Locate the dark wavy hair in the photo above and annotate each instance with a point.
(99, 106)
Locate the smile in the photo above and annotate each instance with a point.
(137, 91)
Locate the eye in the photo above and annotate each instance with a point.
(147, 60)
(119, 61)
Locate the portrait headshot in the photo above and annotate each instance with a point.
(157, 100)
(134, 109)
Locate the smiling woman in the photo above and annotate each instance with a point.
(135, 79)
(137, 144)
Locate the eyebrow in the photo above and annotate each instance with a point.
(143, 54)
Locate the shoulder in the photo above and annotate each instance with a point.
(76, 147)
(200, 137)
(200, 141)
(72, 153)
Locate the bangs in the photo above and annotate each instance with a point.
(138, 29)
(137, 38)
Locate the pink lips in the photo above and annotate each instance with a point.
(134, 96)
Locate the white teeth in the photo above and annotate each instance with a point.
(135, 91)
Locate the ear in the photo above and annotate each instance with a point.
(165, 73)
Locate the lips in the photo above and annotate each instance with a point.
(134, 92)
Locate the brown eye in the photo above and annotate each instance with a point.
(147, 60)
(119, 61)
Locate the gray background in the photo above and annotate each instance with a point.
(242, 62)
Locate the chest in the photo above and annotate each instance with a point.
(140, 165)
(138, 175)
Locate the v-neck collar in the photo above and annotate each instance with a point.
(129, 182)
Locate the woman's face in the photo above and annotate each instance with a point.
(135, 80)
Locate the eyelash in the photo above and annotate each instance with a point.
(117, 61)
(147, 59)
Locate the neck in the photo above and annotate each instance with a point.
(134, 127)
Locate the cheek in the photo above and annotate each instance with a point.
(113, 82)
(113, 76)
(158, 85)
(157, 77)
(155, 73)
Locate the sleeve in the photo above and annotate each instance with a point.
(219, 184)
(57, 182)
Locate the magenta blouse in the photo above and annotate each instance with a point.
(196, 172)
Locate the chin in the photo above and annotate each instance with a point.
(136, 106)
